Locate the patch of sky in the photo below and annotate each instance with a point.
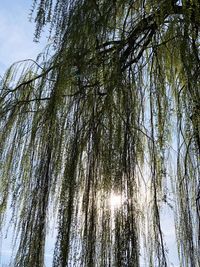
(17, 34)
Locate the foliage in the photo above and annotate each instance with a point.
(115, 109)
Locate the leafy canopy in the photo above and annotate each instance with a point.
(114, 109)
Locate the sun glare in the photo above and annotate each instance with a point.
(115, 201)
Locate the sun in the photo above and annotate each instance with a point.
(115, 201)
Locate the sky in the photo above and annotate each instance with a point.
(16, 43)
(16, 33)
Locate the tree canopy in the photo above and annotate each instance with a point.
(112, 106)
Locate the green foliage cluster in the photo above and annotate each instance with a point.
(115, 109)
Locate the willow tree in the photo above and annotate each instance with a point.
(111, 107)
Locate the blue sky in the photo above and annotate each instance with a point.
(16, 33)
(16, 43)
